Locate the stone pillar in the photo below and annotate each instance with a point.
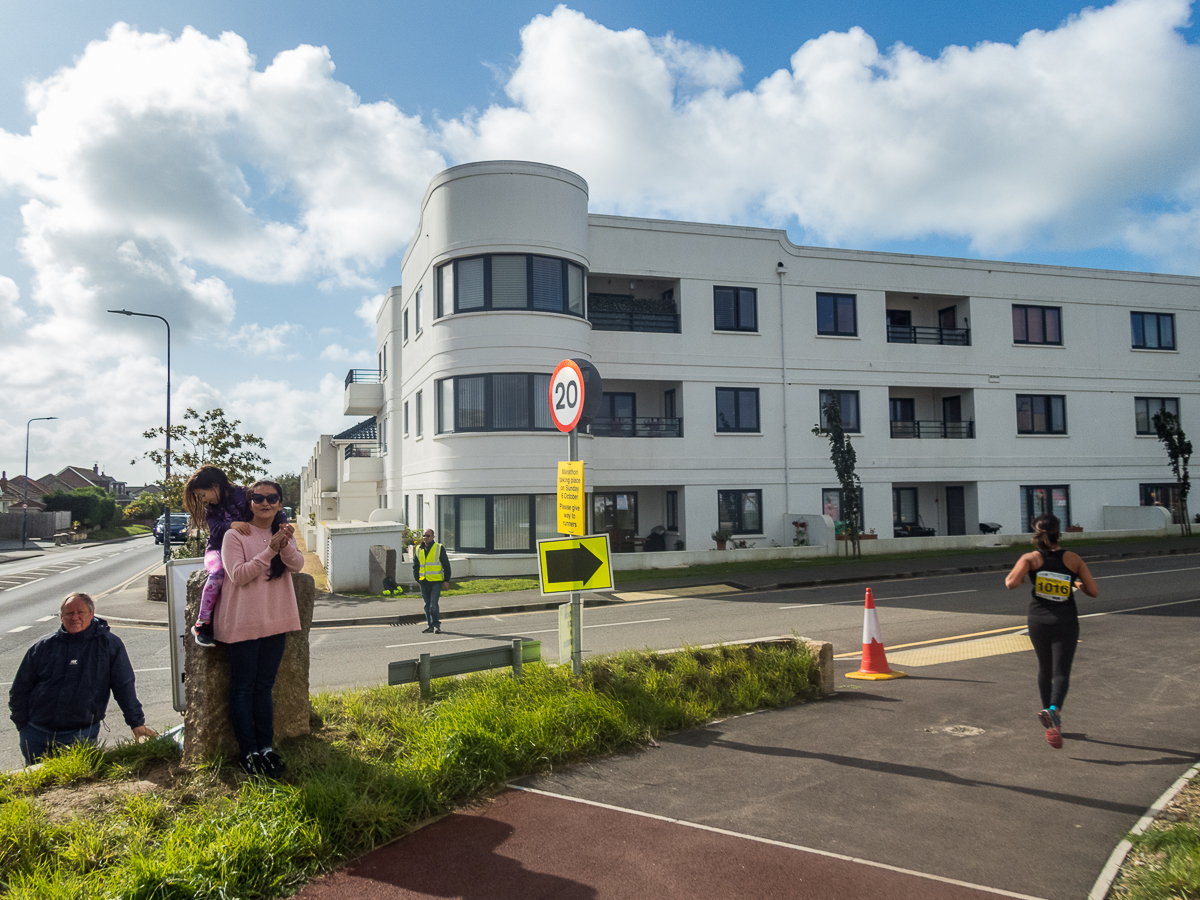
(206, 726)
(822, 652)
(380, 568)
(156, 588)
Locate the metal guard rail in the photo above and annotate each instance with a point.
(362, 376)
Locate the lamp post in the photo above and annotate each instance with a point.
(25, 502)
(167, 476)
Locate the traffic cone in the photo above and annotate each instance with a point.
(874, 660)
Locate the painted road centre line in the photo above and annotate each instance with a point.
(1157, 572)
(784, 844)
(881, 599)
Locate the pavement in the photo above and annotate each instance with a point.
(938, 785)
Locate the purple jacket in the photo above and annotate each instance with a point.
(234, 507)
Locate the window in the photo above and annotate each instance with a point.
(837, 314)
(672, 510)
(1037, 324)
(417, 312)
(407, 520)
(616, 513)
(735, 309)
(496, 523)
(443, 405)
(1153, 331)
(383, 436)
(847, 402)
(904, 507)
(833, 504)
(510, 281)
(418, 414)
(406, 418)
(739, 512)
(1166, 495)
(383, 362)
(1146, 408)
(509, 401)
(737, 409)
(420, 512)
(1037, 500)
(1041, 414)
(406, 325)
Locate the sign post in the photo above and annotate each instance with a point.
(576, 391)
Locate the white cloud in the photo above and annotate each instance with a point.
(271, 340)
(338, 353)
(1058, 137)
(289, 420)
(369, 309)
(10, 312)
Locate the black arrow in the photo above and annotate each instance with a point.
(575, 564)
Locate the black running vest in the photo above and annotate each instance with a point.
(1053, 589)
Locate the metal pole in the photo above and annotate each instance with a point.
(25, 501)
(576, 597)
(167, 476)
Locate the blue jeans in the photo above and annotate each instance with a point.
(252, 669)
(37, 742)
(431, 591)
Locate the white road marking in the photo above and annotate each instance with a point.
(1113, 612)
(522, 634)
(1158, 572)
(19, 628)
(47, 618)
(784, 844)
(883, 599)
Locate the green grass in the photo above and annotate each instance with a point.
(1165, 861)
(118, 531)
(461, 588)
(380, 762)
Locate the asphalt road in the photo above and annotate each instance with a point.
(910, 611)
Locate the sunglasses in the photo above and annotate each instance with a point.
(264, 498)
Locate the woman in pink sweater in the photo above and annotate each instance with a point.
(257, 610)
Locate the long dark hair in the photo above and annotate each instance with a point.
(1046, 531)
(204, 478)
(277, 566)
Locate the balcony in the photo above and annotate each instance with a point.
(921, 334)
(649, 306)
(933, 429)
(654, 427)
(631, 320)
(364, 394)
(362, 464)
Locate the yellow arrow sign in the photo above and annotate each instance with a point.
(575, 564)
(571, 518)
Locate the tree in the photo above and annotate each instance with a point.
(842, 454)
(146, 506)
(1179, 452)
(92, 506)
(214, 441)
(290, 482)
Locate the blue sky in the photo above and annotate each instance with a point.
(262, 202)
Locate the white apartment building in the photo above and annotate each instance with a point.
(974, 391)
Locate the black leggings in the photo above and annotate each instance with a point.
(1054, 645)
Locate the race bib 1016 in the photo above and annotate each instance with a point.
(1052, 586)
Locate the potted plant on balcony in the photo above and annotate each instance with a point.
(1074, 528)
(721, 536)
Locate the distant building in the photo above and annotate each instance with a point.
(975, 391)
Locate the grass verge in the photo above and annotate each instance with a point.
(380, 762)
(1164, 863)
(461, 588)
(118, 531)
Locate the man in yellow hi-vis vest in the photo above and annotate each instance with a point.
(431, 568)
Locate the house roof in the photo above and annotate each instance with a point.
(365, 430)
(13, 490)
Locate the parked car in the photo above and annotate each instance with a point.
(179, 528)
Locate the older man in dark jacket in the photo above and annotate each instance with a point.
(60, 693)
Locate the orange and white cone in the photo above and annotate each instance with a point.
(874, 661)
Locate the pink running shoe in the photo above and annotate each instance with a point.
(1053, 725)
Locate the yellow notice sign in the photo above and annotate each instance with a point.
(571, 519)
(575, 564)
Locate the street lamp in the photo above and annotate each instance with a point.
(167, 477)
(25, 502)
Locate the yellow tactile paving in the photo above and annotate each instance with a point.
(641, 595)
(943, 653)
(701, 589)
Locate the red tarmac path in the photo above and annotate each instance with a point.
(528, 846)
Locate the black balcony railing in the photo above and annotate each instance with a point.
(354, 451)
(362, 376)
(932, 429)
(921, 334)
(630, 427)
(615, 320)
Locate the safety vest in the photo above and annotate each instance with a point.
(430, 562)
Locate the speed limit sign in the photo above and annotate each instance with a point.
(566, 395)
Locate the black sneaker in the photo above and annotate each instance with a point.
(428, 630)
(203, 632)
(272, 765)
(251, 763)
(437, 630)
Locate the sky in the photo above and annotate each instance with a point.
(253, 171)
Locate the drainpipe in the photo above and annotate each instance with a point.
(781, 270)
